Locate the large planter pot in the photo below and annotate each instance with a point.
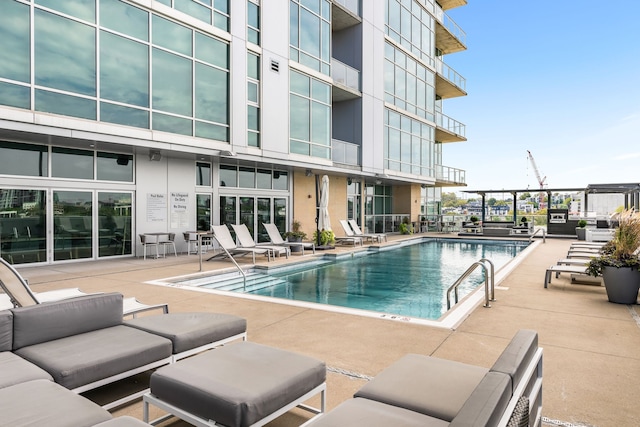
(295, 248)
(622, 284)
(581, 233)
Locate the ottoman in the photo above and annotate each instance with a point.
(238, 385)
(191, 333)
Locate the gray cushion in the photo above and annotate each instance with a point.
(487, 403)
(16, 370)
(432, 386)
(238, 384)
(82, 359)
(369, 413)
(123, 422)
(514, 359)
(49, 321)
(44, 403)
(6, 330)
(191, 330)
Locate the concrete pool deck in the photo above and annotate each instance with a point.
(591, 347)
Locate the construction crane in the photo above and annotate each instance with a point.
(541, 181)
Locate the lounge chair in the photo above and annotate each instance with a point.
(246, 241)
(18, 294)
(229, 248)
(358, 232)
(557, 269)
(277, 240)
(350, 235)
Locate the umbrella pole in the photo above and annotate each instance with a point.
(317, 213)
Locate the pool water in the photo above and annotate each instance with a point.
(408, 281)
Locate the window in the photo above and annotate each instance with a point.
(71, 163)
(310, 33)
(249, 177)
(114, 167)
(203, 174)
(412, 27)
(310, 120)
(253, 100)
(408, 144)
(253, 21)
(23, 159)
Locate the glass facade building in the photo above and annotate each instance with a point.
(123, 117)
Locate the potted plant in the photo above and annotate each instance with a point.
(405, 226)
(618, 262)
(581, 230)
(474, 219)
(327, 238)
(524, 222)
(295, 234)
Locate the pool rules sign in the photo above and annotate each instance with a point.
(179, 204)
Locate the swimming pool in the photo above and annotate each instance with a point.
(409, 280)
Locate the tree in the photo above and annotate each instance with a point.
(525, 196)
(492, 201)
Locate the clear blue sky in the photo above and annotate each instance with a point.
(558, 78)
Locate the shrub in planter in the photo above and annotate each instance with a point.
(295, 234)
(327, 238)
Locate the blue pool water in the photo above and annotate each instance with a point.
(408, 281)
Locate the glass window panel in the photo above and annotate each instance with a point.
(300, 84)
(280, 180)
(213, 51)
(309, 33)
(222, 6)
(126, 116)
(309, 61)
(211, 131)
(252, 92)
(14, 33)
(203, 215)
(124, 18)
(66, 105)
(253, 118)
(246, 177)
(227, 210)
(220, 21)
(405, 149)
(321, 123)
(253, 36)
(322, 152)
(23, 225)
(172, 85)
(253, 15)
(172, 36)
(203, 174)
(83, 9)
(263, 217)
(194, 9)
(247, 212)
(228, 176)
(253, 139)
(124, 70)
(23, 159)
(65, 54)
(166, 123)
(71, 163)
(263, 179)
(114, 167)
(293, 24)
(72, 219)
(326, 9)
(114, 224)
(15, 95)
(300, 125)
(253, 66)
(320, 91)
(212, 94)
(280, 213)
(313, 5)
(325, 41)
(298, 147)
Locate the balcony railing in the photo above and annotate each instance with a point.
(450, 74)
(345, 152)
(449, 174)
(345, 75)
(450, 124)
(352, 5)
(450, 25)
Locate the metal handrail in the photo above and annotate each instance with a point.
(489, 292)
(244, 276)
(544, 235)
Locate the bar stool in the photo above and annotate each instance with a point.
(171, 241)
(151, 241)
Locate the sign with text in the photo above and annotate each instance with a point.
(179, 210)
(156, 207)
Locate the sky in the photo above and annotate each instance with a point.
(558, 78)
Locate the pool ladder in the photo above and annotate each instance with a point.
(489, 274)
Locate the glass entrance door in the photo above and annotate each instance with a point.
(114, 224)
(23, 226)
(72, 225)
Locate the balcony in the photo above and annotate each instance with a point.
(449, 36)
(449, 130)
(345, 153)
(345, 14)
(346, 81)
(449, 84)
(450, 4)
(450, 177)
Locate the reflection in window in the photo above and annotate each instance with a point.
(310, 116)
(65, 54)
(126, 116)
(167, 123)
(128, 84)
(193, 8)
(280, 180)
(23, 159)
(203, 174)
(253, 21)
(263, 179)
(228, 176)
(67, 105)
(203, 215)
(114, 224)
(83, 9)
(310, 33)
(14, 33)
(246, 177)
(171, 35)
(22, 224)
(114, 167)
(253, 100)
(71, 163)
(172, 83)
(14, 95)
(124, 18)
(212, 94)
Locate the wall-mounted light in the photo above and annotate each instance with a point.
(349, 180)
(308, 172)
(378, 181)
(227, 153)
(154, 155)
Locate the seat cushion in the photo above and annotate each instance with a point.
(44, 403)
(431, 386)
(16, 370)
(238, 384)
(191, 330)
(123, 422)
(486, 405)
(516, 356)
(6, 330)
(82, 359)
(369, 413)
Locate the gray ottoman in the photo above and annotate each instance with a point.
(239, 385)
(191, 333)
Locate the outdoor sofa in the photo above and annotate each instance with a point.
(83, 343)
(425, 391)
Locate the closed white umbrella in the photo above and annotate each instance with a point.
(324, 222)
